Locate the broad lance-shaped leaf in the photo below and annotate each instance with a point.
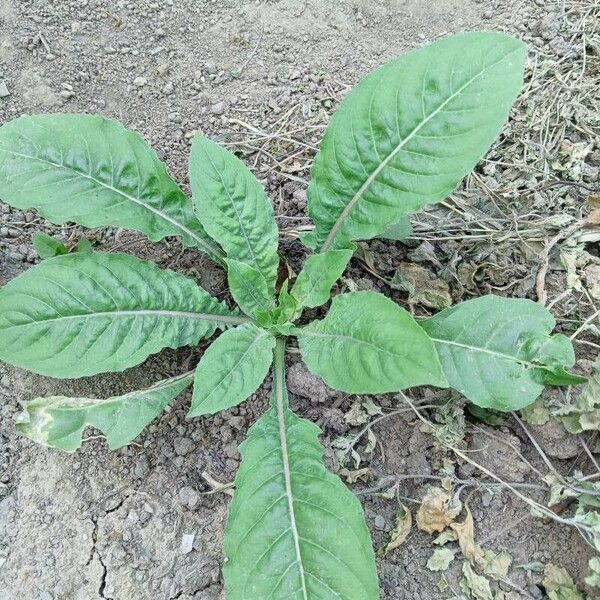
(498, 352)
(47, 247)
(86, 313)
(233, 208)
(319, 273)
(59, 421)
(249, 288)
(94, 172)
(367, 344)
(294, 531)
(409, 132)
(231, 369)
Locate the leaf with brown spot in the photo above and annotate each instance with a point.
(466, 541)
(356, 415)
(593, 217)
(477, 586)
(437, 511)
(422, 286)
(401, 530)
(356, 475)
(559, 584)
(440, 559)
(497, 564)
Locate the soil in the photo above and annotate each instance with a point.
(99, 524)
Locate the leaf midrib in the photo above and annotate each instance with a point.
(367, 183)
(125, 398)
(279, 382)
(214, 252)
(143, 313)
(485, 351)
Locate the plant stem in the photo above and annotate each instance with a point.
(278, 369)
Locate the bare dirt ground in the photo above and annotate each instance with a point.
(263, 77)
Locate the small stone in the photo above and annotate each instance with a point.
(140, 81)
(218, 108)
(3, 90)
(187, 543)
(50, 56)
(169, 88)
(379, 522)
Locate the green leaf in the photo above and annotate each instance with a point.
(94, 172)
(87, 313)
(559, 376)
(233, 208)
(559, 585)
(486, 416)
(584, 413)
(367, 344)
(319, 273)
(477, 586)
(497, 351)
(440, 559)
(47, 247)
(59, 421)
(231, 369)
(249, 288)
(409, 132)
(84, 245)
(400, 230)
(593, 579)
(536, 413)
(287, 307)
(294, 530)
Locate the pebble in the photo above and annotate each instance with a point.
(187, 543)
(3, 90)
(379, 522)
(218, 108)
(140, 81)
